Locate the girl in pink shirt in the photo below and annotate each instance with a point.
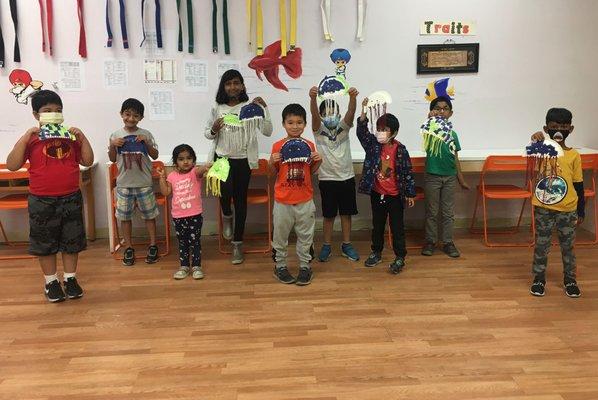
(184, 183)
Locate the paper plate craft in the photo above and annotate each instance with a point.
(340, 58)
(437, 131)
(295, 153)
(55, 131)
(542, 167)
(132, 151)
(439, 88)
(270, 61)
(252, 118)
(376, 107)
(329, 89)
(217, 174)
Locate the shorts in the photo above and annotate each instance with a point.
(338, 197)
(144, 197)
(56, 224)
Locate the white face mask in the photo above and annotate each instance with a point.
(382, 137)
(51, 118)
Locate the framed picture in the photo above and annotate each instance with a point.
(443, 58)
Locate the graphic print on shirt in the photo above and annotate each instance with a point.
(551, 189)
(57, 148)
(184, 193)
(385, 172)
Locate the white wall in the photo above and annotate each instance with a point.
(534, 54)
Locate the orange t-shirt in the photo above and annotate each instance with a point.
(293, 181)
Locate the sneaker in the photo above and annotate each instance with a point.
(428, 249)
(129, 257)
(197, 273)
(227, 227)
(182, 273)
(571, 288)
(374, 259)
(325, 253)
(237, 257)
(349, 251)
(54, 292)
(283, 275)
(397, 265)
(152, 254)
(451, 250)
(305, 276)
(537, 288)
(72, 288)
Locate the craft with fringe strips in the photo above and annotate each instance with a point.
(217, 174)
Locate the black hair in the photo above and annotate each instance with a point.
(294, 109)
(132, 104)
(388, 121)
(44, 97)
(438, 100)
(559, 115)
(179, 149)
(328, 103)
(221, 96)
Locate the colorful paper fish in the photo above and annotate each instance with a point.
(270, 62)
(439, 88)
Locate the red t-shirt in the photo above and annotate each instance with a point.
(54, 166)
(386, 181)
(293, 181)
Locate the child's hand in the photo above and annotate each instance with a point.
(141, 138)
(34, 131)
(316, 157)
(538, 137)
(217, 125)
(353, 93)
(313, 92)
(117, 142)
(462, 182)
(410, 202)
(432, 113)
(161, 173)
(275, 158)
(364, 102)
(77, 132)
(579, 220)
(260, 101)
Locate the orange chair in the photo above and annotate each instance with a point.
(160, 201)
(503, 164)
(255, 197)
(589, 162)
(13, 201)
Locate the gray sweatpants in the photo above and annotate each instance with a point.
(439, 192)
(302, 217)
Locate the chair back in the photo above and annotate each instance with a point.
(418, 164)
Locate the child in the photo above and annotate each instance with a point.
(336, 175)
(55, 202)
(293, 195)
(387, 179)
(443, 170)
(131, 148)
(242, 156)
(563, 212)
(185, 185)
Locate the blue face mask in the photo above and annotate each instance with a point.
(331, 122)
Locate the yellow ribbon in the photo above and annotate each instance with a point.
(282, 4)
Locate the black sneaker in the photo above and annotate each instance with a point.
(152, 254)
(283, 275)
(451, 250)
(428, 249)
(129, 256)
(54, 292)
(305, 276)
(537, 288)
(374, 259)
(72, 288)
(571, 288)
(397, 265)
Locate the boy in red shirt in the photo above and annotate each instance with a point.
(294, 160)
(55, 201)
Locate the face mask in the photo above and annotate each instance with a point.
(558, 135)
(382, 137)
(50, 118)
(331, 122)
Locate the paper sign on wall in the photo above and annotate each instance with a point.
(72, 75)
(160, 71)
(453, 28)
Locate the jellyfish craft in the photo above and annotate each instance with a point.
(376, 106)
(295, 153)
(132, 151)
(329, 89)
(437, 131)
(252, 118)
(55, 131)
(217, 174)
(234, 136)
(542, 159)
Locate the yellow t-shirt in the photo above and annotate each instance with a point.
(555, 191)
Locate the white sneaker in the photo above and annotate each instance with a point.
(197, 273)
(182, 273)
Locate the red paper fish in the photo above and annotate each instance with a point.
(269, 63)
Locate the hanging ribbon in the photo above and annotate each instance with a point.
(214, 27)
(325, 7)
(260, 29)
(282, 6)
(360, 19)
(108, 29)
(180, 36)
(82, 39)
(248, 12)
(225, 26)
(157, 20)
(189, 25)
(293, 38)
(15, 21)
(123, 24)
(50, 25)
(1, 48)
(41, 17)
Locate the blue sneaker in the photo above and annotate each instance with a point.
(325, 253)
(349, 251)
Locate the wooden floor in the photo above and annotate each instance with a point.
(442, 329)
